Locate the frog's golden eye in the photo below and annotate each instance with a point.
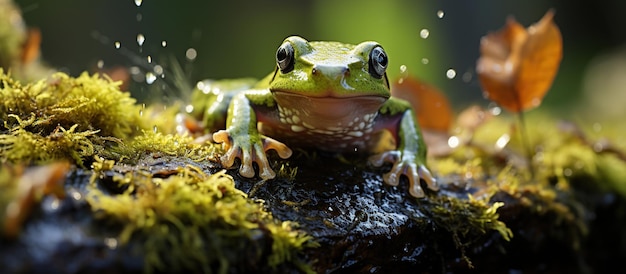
(378, 62)
(285, 57)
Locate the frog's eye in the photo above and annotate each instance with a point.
(285, 58)
(378, 62)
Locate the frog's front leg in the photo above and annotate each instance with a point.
(241, 139)
(409, 159)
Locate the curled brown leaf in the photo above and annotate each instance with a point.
(517, 66)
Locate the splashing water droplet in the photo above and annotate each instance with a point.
(140, 39)
(150, 78)
(495, 111)
(467, 76)
(138, 2)
(425, 61)
(403, 74)
(502, 141)
(191, 54)
(450, 73)
(403, 69)
(100, 64)
(424, 33)
(158, 69)
(440, 14)
(163, 43)
(155, 129)
(117, 44)
(454, 141)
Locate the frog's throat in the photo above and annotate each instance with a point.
(327, 112)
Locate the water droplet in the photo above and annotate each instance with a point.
(403, 69)
(425, 61)
(467, 76)
(440, 14)
(453, 141)
(149, 59)
(404, 73)
(139, 17)
(424, 33)
(191, 54)
(597, 127)
(158, 70)
(200, 85)
(163, 43)
(117, 44)
(567, 172)
(76, 195)
(155, 129)
(150, 78)
(138, 2)
(502, 141)
(111, 243)
(140, 39)
(495, 111)
(100, 64)
(189, 108)
(450, 73)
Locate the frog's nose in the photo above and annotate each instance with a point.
(331, 72)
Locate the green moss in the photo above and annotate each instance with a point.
(468, 220)
(150, 142)
(63, 117)
(195, 221)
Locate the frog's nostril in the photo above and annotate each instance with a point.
(330, 71)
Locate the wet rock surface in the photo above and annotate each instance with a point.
(361, 225)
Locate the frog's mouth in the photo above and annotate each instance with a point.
(325, 112)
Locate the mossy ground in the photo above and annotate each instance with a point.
(166, 194)
(185, 217)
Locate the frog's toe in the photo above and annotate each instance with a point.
(265, 170)
(425, 174)
(228, 159)
(246, 169)
(223, 137)
(385, 157)
(282, 149)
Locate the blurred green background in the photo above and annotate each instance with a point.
(239, 38)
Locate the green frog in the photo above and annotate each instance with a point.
(329, 96)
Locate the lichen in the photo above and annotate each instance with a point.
(195, 221)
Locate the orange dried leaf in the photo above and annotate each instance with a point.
(517, 66)
(31, 47)
(431, 106)
(33, 184)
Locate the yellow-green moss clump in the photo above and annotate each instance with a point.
(63, 117)
(195, 221)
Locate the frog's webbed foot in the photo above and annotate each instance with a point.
(406, 164)
(249, 151)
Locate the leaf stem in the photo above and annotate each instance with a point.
(526, 143)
